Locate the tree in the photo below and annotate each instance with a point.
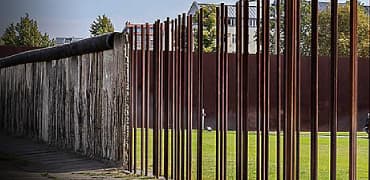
(209, 29)
(304, 28)
(363, 30)
(101, 25)
(324, 31)
(25, 33)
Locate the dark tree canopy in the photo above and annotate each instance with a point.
(25, 33)
(101, 25)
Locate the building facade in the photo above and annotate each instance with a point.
(231, 36)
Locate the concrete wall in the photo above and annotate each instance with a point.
(78, 103)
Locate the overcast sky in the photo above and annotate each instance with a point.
(60, 18)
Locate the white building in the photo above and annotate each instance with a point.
(232, 24)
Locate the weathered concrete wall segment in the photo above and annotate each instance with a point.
(78, 103)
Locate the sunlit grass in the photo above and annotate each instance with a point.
(209, 154)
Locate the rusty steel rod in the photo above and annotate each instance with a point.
(334, 89)
(156, 101)
(200, 96)
(354, 78)
(177, 159)
(166, 93)
(161, 38)
(279, 84)
(173, 97)
(298, 85)
(245, 84)
(178, 115)
(147, 95)
(218, 77)
(284, 90)
(131, 39)
(314, 90)
(143, 95)
(259, 113)
(222, 38)
(266, 87)
(183, 93)
(290, 47)
(189, 95)
(238, 94)
(226, 89)
(222, 89)
(136, 91)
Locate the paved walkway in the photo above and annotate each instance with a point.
(25, 159)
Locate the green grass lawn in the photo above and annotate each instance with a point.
(209, 154)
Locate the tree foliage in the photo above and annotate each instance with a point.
(324, 30)
(25, 33)
(209, 28)
(363, 31)
(101, 25)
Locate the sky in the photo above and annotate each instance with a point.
(67, 18)
(72, 18)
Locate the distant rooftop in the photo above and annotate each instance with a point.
(231, 9)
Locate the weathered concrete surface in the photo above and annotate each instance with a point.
(24, 159)
(78, 103)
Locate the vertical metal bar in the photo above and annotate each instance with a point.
(147, 101)
(177, 77)
(218, 77)
(200, 95)
(245, 84)
(298, 85)
(173, 97)
(334, 89)
(131, 40)
(259, 114)
(278, 59)
(314, 90)
(136, 91)
(226, 89)
(222, 103)
(143, 95)
(161, 38)
(289, 139)
(156, 101)
(284, 93)
(183, 93)
(189, 95)
(354, 75)
(166, 89)
(266, 86)
(238, 94)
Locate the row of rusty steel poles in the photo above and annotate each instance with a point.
(290, 89)
(222, 91)
(173, 93)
